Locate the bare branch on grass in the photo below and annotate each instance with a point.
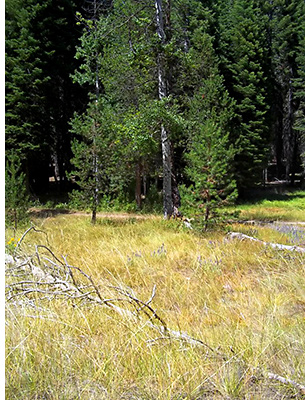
(242, 236)
(287, 381)
(32, 228)
(142, 306)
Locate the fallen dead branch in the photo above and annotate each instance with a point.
(242, 236)
(286, 381)
(24, 235)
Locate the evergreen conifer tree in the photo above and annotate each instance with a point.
(92, 148)
(26, 81)
(16, 197)
(210, 155)
(299, 85)
(283, 27)
(243, 55)
(40, 39)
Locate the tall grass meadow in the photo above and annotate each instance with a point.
(244, 303)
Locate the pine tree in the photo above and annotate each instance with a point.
(40, 39)
(16, 198)
(287, 26)
(299, 85)
(92, 126)
(25, 84)
(243, 55)
(210, 155)
(58, 34)
(92, 148)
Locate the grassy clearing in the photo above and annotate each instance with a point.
(289, 206)
(241, 299)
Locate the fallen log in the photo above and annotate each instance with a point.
(242, 236)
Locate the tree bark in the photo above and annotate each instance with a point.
(95, 189)
(138, 192)
(165, 140)
(289, 135)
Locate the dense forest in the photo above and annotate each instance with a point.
(195, 99)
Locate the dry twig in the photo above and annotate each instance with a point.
(287, 381)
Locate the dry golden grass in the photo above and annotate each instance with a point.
(245, 301)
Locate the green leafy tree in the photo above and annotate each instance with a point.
(92, 126)
(126, 74)
(121, 53)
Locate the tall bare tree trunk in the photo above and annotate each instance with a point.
(165, 140)
(96, 165)
(289, 134)
(138, 191)
(96, 189)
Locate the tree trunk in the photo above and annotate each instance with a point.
(207, 216)
(93, 217)
(167, 174)
(55, 161)
(175, 195)
(289, 137)
(138, 191)
(165, 141)
(95, 189)
(97, 96)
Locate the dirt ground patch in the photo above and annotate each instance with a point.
(50, 212)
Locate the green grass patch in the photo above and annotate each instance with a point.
(282, 207)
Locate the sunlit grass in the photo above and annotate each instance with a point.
(273, 213)
(242, 299)
(289, 206)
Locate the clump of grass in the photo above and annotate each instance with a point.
(243, 300)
